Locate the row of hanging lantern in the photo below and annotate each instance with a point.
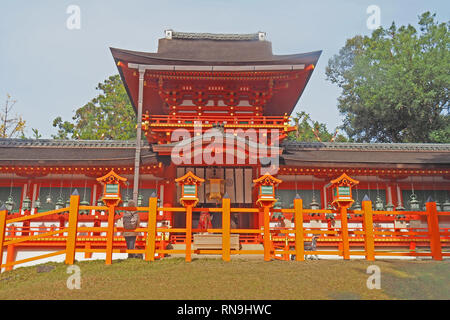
(28, 204)
(378, 205)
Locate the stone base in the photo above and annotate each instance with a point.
(214, 241)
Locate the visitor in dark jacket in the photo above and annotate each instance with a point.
(129, 234)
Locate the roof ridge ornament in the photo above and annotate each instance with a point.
(258, 36)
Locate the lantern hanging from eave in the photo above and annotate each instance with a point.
(314, 205)
(215, 189)
(59, 203)
(26, 203)
(100, 202)
(140, 200)
(9, 204)
(84, 203)
(379, 206)
(390, 207)
(37, 204)
(414, 203)
(357, 206)
(446, 205)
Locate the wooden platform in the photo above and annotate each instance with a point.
(214, 241)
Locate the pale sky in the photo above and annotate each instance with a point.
(52, 70)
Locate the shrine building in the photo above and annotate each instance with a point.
(219, 106)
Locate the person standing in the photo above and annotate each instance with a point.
(130, 221)
(204, 222)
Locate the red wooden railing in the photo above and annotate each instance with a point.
(367, 240)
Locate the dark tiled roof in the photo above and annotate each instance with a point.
(68, 143)
(358, 154)
(294, 145)
(112, 152)
(76, 152)
(212, 52)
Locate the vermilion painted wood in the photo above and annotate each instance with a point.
(433, 229)
(3, 214)
(226, 229)
(151, 230)
(72, 229)
(188, 250)
(368, 230)
(299, 235)
(267, 240)
(344, 234)
(110, 235)
(110, 244)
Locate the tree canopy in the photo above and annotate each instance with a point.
(310, 131)
(395, 83)
(109, 115)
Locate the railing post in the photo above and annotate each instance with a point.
(226, 229)
(344, 234)
(72, 229)
(299, 236)
(3, 214)
(267, 239)
(10, 256)
(188, 250)
(150, 246)
(368, 230)
(110, 235)
(433, 230)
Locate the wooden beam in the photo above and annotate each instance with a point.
(226, 229)
(151, 229)
(299, 234)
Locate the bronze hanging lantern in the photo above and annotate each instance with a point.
(216, 187)
(140, 200)
(379, 206)
(9, 204)
(59, 203)
(390, 207)
(414, 203)
(26, 203)
(37, 204)
(314, 205)
(84, 203)
(446, 205)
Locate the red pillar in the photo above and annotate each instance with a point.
(433, 229)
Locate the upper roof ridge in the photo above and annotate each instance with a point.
(69, 143)
(369, 146)
(171, 34)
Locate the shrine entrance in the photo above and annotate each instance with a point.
(233, 182)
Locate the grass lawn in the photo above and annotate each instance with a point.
(175, 279)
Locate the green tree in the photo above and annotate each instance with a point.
(395, 83)
(308, 130)
(108, 116)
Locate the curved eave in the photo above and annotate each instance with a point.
(278, 105)
(151, 58)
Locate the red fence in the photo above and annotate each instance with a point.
(278, 242)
